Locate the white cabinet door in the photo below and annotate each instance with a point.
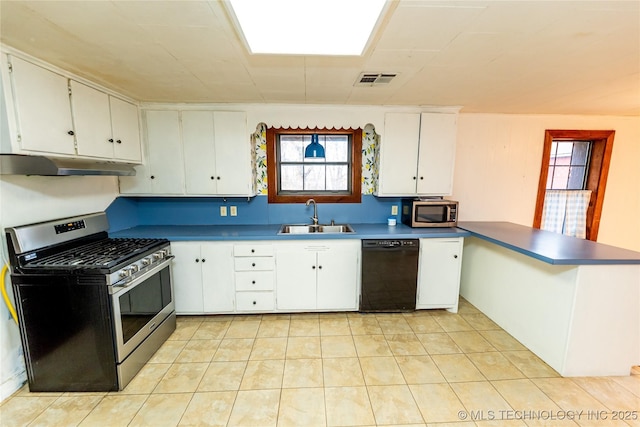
(125, 130)
(417, 154)
(438, 132)
(199, 152)
(43, 109)
(195, 152)
(232, 154)
(295, 277)
(105, 126)
(338, 273)
(165, 166)
(218, 290)
(187, 277)
(399, 154)
(439, 273)
(317, 275)
(91, 120)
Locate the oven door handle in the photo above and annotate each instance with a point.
(117, 287)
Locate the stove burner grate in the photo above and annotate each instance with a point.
(103, 253)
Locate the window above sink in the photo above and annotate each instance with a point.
(293, 178)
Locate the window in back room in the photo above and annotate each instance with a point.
(573, 178)
(568, 165)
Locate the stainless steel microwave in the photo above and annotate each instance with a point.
(429, 213)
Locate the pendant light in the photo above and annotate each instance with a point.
(314, 150)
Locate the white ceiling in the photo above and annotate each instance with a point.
(556, 57)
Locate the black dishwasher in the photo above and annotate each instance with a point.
(389, 275)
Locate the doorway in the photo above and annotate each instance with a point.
(587, 168)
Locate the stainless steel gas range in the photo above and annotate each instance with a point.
(92, 310)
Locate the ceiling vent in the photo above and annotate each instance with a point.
(375, 79)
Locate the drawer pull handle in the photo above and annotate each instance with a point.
(203, 260)
(320, 267)
(455, 256)
(254, 303)
(197, 260)
(253, 251)
(253, 264)
(253, 282)
(313, 268)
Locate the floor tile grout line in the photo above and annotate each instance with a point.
(531, 379)
(594, 396)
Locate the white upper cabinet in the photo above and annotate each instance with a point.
(42, 109)
(199, 152)
(399, 154)
(105, 126)
(125, 130)
(417, 154)
(209, 150)
(437, 152)
(233, 154)
(92, 121)
(53, 114)
(163, 171)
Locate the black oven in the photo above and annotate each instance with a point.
(92, 310)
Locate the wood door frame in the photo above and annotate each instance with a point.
(600, 157)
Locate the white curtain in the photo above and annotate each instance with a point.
(565, 212)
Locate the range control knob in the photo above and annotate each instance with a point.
(128, 271)
(146, 261)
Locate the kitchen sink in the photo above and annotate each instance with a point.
(309, 229)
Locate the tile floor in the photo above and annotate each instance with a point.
(341, 369)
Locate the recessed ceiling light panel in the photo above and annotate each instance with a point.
(307, 27)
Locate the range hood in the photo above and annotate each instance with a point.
(16, 164)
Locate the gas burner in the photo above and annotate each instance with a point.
(105, 253)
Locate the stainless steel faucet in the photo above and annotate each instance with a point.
(314, 218)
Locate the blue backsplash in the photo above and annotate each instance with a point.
(127, 212)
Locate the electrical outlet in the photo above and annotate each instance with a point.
(233, 210)
(223, 211)
(394, 210)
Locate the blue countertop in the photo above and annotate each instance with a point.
(549, 247)
(270, 232)
(545, 246)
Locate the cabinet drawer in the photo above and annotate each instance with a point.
(254, 301)
(254, 281)
(254, 263)
(253, 250)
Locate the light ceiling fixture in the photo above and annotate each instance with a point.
(307, 27)
(314, 150)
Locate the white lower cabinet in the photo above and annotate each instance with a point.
(317, 275)
(254, 267)
(203, 277)
(439, 273)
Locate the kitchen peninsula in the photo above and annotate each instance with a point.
(574, 303)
